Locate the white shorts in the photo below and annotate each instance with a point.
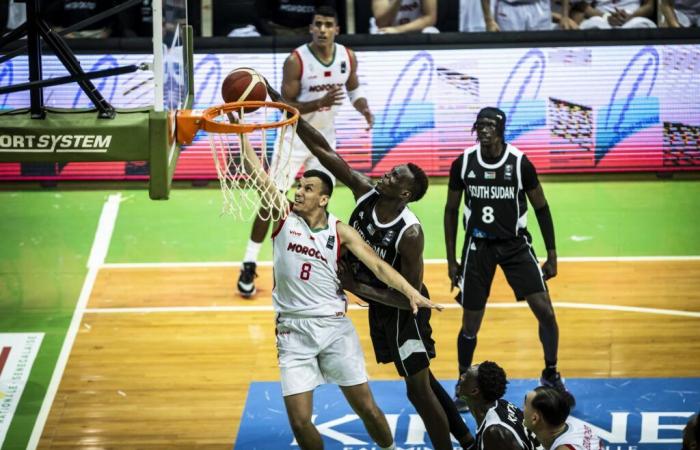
(524, 16)
(300, 156)
(313, 351)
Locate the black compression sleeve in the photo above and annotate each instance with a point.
(544, 219)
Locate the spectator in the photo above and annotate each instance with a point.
(517, 15)
(691, 434)
(403, 16)
(62, 14)
(562, 15)
(681, 13)
(606, 14)
(471, 17)
(16, 14)
(288, 17)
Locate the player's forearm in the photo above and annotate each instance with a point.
(361, 106)
(305, 107)
(645, 10)
(389, 276)
(486, 10)
(416, 25)
(385, 12)
(384, 296)
(670, 14)
(450, 228)
(544, 220)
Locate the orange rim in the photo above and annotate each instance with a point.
(211, 125)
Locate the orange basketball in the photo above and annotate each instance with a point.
(243, 84)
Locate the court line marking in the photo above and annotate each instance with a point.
(426, 261)
(98, 252)
(268, 308)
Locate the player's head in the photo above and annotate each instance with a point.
(483, 383)
(407, 182)
(324, 25)
(545, 407)
(490, 123)
(314, 191)
(691, 433)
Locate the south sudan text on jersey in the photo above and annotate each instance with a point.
(492, 192)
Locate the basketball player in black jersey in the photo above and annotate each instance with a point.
(499, 423)
(497, 179)
(387, 225)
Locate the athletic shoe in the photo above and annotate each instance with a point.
(246, 280)
(553, 379)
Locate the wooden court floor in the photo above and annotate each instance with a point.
(164, 355)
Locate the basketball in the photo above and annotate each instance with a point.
(243, 84)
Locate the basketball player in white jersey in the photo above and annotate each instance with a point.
(316, 342)
(681, 13)
(499, 422)
(403, 16)
(618, 14)
(545, 414)
(312, 81)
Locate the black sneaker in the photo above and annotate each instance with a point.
(553, 379)
(246, 280)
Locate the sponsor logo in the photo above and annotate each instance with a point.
(55, 143)
(17, 354)
(331, 242)
(508, 172)
(389, 237)
(305, 250)
(343, 67)
(324, 87)
(295, 233)
(471, 174)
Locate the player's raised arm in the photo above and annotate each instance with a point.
(354, 242)
(291, 88)
(321, 149)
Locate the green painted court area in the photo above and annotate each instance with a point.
(46, 238)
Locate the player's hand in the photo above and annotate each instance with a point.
(333, 97)
(274, 95)
(454, 273)
(418, 301)
(618, 17)
(389, 30)
(549, 268)
(491, 25)
(567, 23)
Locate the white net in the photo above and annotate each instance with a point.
(246, 192)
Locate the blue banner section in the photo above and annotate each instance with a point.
(628, 413)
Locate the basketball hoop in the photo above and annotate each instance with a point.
(226, 126)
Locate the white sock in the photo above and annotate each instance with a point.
(391, 447)
(251, 251)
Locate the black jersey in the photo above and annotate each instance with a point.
(384, 238)
(495, 205)
(510, 417)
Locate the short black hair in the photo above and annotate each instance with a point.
(491, 379)
(552, 404)
(326, 11)
(326, 182)
(420, 182)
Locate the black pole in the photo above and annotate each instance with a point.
(34, 58)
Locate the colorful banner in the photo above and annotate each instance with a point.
(571, 109)
(17, 354)
(627, 413)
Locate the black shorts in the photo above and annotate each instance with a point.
(402, 338)
(515, 256)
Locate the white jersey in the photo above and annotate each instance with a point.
(610, 5)
(305, 265)
(578, 436)
(318, 78)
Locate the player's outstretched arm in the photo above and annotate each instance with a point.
(321, 149)
(257, 173)
(411, 251)
(354, 242)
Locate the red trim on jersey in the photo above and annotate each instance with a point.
(279, 227)
(301, 61)
(337, 241)
(347, 50)
(4, 354)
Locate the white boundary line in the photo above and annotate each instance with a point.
(427, 261)
(268, 308)
(100, 245)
